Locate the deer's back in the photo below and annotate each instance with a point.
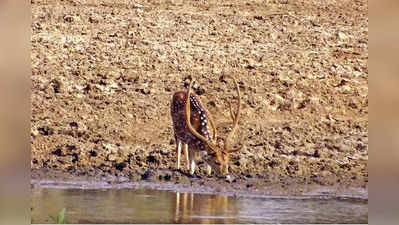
(198, 120)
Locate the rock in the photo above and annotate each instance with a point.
(112, 157)
(147, 175)
(34, 132)
(342, 36)
(229, 178)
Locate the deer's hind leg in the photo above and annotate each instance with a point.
(178, 149)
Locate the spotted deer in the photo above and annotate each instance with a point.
(195, 132)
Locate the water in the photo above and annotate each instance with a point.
(153, 206)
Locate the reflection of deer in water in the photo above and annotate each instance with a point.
(188, 205)
(192, 129)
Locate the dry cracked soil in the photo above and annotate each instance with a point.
(104, 71)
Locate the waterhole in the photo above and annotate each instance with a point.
(155, 206)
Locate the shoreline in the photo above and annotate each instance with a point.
(217, 186)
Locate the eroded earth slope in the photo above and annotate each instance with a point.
(103, 73)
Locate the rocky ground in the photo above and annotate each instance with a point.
(104, 71)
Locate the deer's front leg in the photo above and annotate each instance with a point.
(185, 151)
(192, 162)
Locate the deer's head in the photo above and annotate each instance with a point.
(218, 156)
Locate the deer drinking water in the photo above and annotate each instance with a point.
(195, 132)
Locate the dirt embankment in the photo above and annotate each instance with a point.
(103, 73)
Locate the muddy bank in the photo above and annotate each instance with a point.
(103, 74)
(177, 181)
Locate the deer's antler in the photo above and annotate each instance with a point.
(235, 119)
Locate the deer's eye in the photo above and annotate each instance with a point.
(217, 163)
